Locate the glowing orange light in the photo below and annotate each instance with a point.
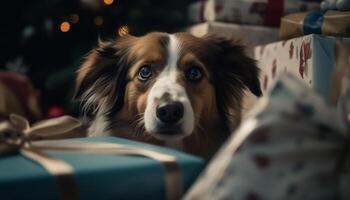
(108, 2)
(74, 18)
(65, 26)
(98, 20)
(123, 30)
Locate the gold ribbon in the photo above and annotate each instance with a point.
(16, 136)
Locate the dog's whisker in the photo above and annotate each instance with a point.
(138, 117)
(138, 124)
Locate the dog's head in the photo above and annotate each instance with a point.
(169, 84)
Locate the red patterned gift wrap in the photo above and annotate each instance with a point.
(256, 12)
(316, 60)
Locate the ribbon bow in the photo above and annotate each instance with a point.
(17, 133)
(17, 136)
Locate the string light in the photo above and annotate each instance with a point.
(123, 30)
(108, 2)
(74, 18)
(98, 20)
(65, 26)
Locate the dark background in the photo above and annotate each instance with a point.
(32, 42)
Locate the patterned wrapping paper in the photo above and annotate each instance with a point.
(314, 59)
(289, 149)
(17, 95)
(330, 23)
(256, 12)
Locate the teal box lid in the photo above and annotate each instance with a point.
(97, 176)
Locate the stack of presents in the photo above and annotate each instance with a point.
(282, 35)
(293, 144)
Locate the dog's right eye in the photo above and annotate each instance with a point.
(194, 74)
(145, 72)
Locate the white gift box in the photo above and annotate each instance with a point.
(314, 59)
(250, 36)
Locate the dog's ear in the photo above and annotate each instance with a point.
(101, 79)
(235, 66)
(233, 72)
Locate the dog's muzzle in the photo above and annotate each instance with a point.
(170, 112)
(169, 115)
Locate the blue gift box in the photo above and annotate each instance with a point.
(97, 176)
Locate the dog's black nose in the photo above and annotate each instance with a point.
(170, 112)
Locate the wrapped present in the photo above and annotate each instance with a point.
(288, 149)
(87, 168)
(331, 23)
(314, 59)
(256, 12)
(250, 36)
(17, 95)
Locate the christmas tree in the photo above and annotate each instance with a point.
(47, 40)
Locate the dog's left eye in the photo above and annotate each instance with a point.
(145, 72)
(194, 74)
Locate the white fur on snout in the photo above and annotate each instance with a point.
(167, 83)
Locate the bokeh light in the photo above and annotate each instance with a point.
(123, 30)
(65, 26)
(74, 18)
(98, 21)
(108, 2)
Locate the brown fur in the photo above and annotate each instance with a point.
(216, 100)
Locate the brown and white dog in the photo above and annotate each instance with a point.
(167, 88)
